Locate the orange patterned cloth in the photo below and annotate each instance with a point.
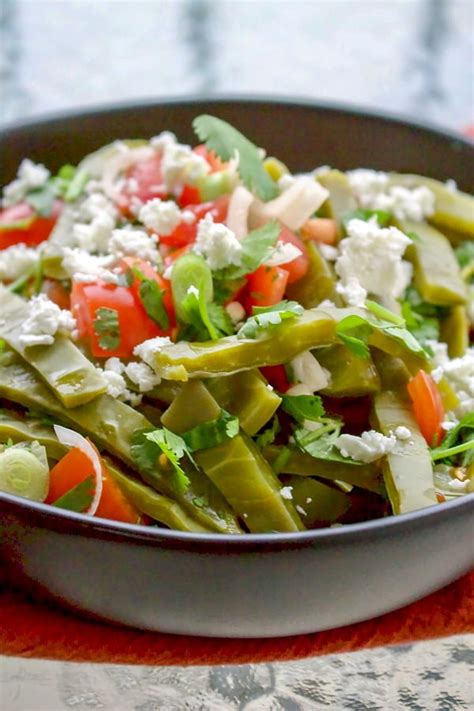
(41, 630)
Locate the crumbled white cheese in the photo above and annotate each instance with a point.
(300, 510)
(352, 292)
(84, 267)
(459, 373)
(143, 376)
(217, 244)
(327, 304)
(94, 205)
(113, 373)
(371, 445)
(308, 500)
(329, 252)
(309, 373)
(162, 216)
(448, 425)
(45, 319)
(134, 243)
(402, 433)
(148, 349)
(451, 185)
(269, 387)
(283, 253)
(180, 165)
(30, 176)
(160, 142)
(16, 261)
(236, 312)
(95, 235)
(286, 492)
(373, 255)
(372, 190)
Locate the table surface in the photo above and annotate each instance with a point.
(413, 57)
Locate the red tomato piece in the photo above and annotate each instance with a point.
(265, 287)
(427, 406)
(185, 233)
(144, 181)
(36, 229)
(135, 325)
(172, 256)
(276, 376)
(189, 196)
(298, 267)
(216, 164)
(150, 273)
(56, 293)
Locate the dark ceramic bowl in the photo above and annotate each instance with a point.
(254, 585)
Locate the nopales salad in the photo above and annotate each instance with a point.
(195, 338)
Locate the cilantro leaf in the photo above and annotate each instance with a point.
(211, 433)
(225, 140)
(320, 443)
(151, 296)
(268, 435)
(268, 316)
(220, 319)
(79, 498)
(256, 248)
(303, 407)
(459, 440)
(147, 446)
(383, 217)
(107, 328)
(465, 253)
(354, 332)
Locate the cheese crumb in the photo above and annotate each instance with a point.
(180, 165)
(372, 255)
(94, 236)
(30, 176)
(402, 433)
(309, 374)
(371, 445)
(16, 261)
(352, 292)
(142, 376)
(236, 312)
(300, 510)
(217, 244)
(372, 190)
(135, 243)
(161, 216)
(94, 205)
(286, 492)
(329, 252)
(148, 349)
(45, 319)
(83, 267)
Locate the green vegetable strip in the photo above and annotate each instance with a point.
(246, 395)
(408, 471)
(236, 466)
(79, 498)
(437, 274)
(365, 476)
(67, 372)
(321, 504)
(350, 376)
(112, 424)
(341, 201)
(30, 429)
(318, 284)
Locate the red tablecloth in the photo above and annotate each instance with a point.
(33, 629)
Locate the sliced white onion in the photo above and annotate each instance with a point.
(293, 207)
(309, 372)
(119, 163)
(283, 253)
(238, 212)
(74, 439)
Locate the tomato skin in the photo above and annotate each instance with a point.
(150, 273)
(186, 233)
(37, 231)
(215, 163)
(149, 183)
(298, 267)
(427, 407)
(56, 293)
(73, 469)
(189, 196)
(265, 287)
(134, 324)
(277, 377)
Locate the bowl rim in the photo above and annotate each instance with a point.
(152, 535)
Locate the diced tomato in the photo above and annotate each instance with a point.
(427, 406)
(216, 164)
(276, 376)
(37, 228)
(135, 325)
(150, 273)
(186, 233)
(144, 181)
(298, 267)
(73, 469)
(189, 196)
(265, 287)
(320, 229)
(56, 293)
